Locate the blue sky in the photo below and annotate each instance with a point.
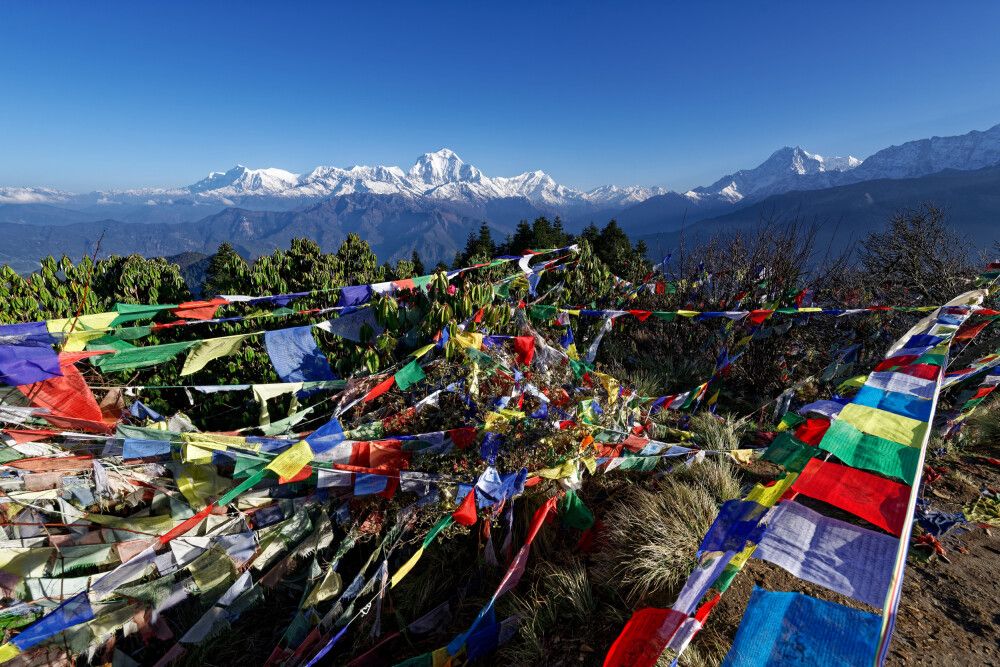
(105, 94)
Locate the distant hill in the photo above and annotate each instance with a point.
(392, 224)
(193, 266)
(845, 214)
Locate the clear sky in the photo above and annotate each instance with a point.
(122, 94)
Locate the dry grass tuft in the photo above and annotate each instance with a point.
(650, 539)
(712, 432)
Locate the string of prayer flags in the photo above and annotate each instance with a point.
(512, 576)
(884, 429)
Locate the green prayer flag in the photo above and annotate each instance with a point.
(140, 357)
(424, 660)
(791, 420)
(870, 452)
(116, 345)
(130, 432)
(788, 452)
(640, 463)
(542, 311)
(575, 513)
(130, 312)
(409, 375)
(124, 333)
(244, 486)
(442, 523)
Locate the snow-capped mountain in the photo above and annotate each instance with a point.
(34, 196)
(240, 180)
(973, 150)
(786, 169)
(441, 175)
(442, 178)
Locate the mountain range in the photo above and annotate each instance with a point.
(432, 206)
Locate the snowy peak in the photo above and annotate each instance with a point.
(442, 176)
(617, 195)
(842, 163)
(441, 167)
(241, 180)
(786, 169)
(33, 196)
(974, 150)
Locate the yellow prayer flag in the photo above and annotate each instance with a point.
(744, 456)
(210, 349)
(406, 567)
(473, 340)
(85, 329)
(291, 461)
(769, 495)
(192, 453)
(566, 469)
(851, 383)
(740, 559)
(884, 424)
(424, 350)
(8, 652)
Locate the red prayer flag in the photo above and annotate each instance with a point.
(969, 331)
(893, 362)
(923, 371)
(758, 316)
(68, 395)
(463, 437)
(186, 525)
(466, 512)
(644, 638)
(811, 431)
(875, 499)
(299, 477)
(983, 391)
(198, 310)
(524, 347)
(379, 389)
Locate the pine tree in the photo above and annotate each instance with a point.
(226, 272)
(418, 264)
